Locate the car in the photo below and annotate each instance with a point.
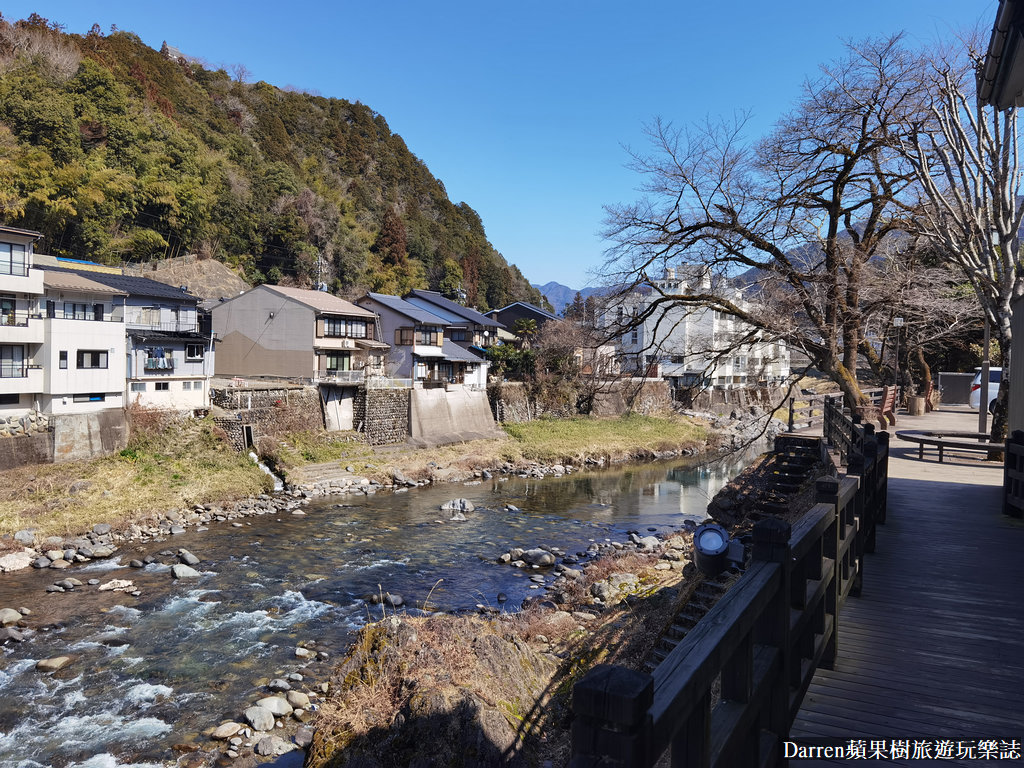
(995, 375)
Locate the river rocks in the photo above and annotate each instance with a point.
(394, 600)
(538, 557)
(260, 718)
(117, 585)
(25, 537)
(60, 563)
(41, 562)
(645, 542)
(303, 737)
(52, 665)
(187, 557)
(54, 554)
(225, 731)
(11, 635)
(101, 529)
(272, 746)
(69, 584)
(103, 550)
(457, 517)
(303, 653)
(182, 571)
(275, 705)
(458, 505)
(297, 699)
(279, 685)
(15, 561)
(9, 616)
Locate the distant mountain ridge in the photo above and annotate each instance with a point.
(561, 296)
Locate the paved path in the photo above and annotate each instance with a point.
(934, 647)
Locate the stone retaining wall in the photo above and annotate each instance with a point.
(31, 423)
(268, 411)
(382, 415)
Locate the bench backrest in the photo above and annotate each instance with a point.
(888, 398)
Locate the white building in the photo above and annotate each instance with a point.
(21, 323)
(83, 352)
(692, 345)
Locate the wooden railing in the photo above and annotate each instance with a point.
(1013, 475)
(728, 693)
(808, 411)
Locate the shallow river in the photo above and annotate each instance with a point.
(153, 671)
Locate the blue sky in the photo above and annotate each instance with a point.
(522, 109)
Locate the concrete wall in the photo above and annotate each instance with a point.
(440, 416)
(27, 449)
(85, 435)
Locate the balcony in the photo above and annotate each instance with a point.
(21, 327)
(339, 377)
(20, 378)
(158, 364)
(138, 323)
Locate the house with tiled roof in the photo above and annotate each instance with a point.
(298, 334)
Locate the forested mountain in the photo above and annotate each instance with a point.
(118, 152)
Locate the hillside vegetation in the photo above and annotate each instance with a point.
(118, 152)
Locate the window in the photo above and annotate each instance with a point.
(74, 311)
(7, 310)
(51, 308)
(97, 311)
(13, 260)
(162, 386)
(12, 361)
(10, 399)
(138, 386)
(96, 397)
(428, 335)
(62, 359)
(91, 358)
(149, 316)
(405, 337)
(193, 351)
(458, 335)
(634, 336)
(339, 361)
(339, 326)
(186, 386)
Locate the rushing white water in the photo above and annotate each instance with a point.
(278, 483)
(148, 671)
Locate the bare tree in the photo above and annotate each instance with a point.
(965, 158)
(804, 211)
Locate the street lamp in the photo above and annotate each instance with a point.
(897, 323)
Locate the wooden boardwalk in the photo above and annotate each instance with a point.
(934, 647)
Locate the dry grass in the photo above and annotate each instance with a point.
(168, 464)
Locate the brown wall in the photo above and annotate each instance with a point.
(255, 344)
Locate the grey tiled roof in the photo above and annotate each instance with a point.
(452, 307)
(411, 311)
(133, 286)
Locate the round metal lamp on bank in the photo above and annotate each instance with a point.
(711, 549)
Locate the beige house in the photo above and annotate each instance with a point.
(273, 331)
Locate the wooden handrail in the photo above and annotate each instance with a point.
(763, 640)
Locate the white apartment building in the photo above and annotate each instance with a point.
(692, 345)
(21, 323)
(83, 353)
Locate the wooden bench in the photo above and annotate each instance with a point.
(887, 408)
(959, 441)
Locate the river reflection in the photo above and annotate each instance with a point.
(154, 671)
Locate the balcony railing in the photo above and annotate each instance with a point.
(179, 327)
(17, 318)
(90, 316)
(159, 364)
(9, 370)
(340, 377)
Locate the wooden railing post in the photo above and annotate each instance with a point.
(827, 492)
(771, 544)
(1013, 475)
(792, 402)
(611, 725)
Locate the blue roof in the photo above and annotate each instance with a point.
(435, 298)
(453, 351)
(403, 307)
(531, 307)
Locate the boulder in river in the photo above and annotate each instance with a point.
(226, 730)
(187, 557)
(182, 571)
(15, 561)
(538, 557)
(52, 665)
(9, 616)
(271, 746)
(275, 705)
(10, 634)
(458, 505)
(260, 718)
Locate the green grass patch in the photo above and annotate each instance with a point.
(547, 440)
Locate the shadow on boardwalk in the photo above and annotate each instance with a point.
(932, 649)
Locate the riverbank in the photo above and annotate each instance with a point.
(174, 467)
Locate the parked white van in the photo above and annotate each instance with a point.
(995, 375)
